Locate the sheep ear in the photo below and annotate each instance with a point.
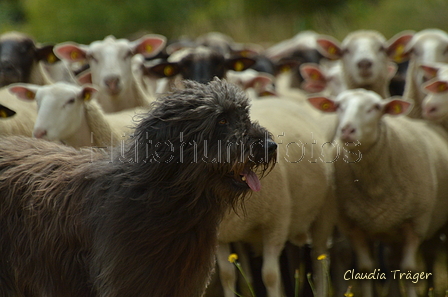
(239, 63)
(397, 46)
(70, 52)
(88, 92)
(329, 47)
(24, 91)
(84, 77)
(397, 107)
(430, 71)
(314, 80)
(5, 112)
(391, 70)
(165, 69)
(46, 54)
(437, 86)
(286, 65)
(259, 81)
(323, 104)
(149, 45)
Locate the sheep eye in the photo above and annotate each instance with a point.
(90, 57)
(375, 107)
(223, 122)
(128, 55)
(71, 101)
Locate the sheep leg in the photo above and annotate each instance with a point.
(409, 263)
(321, 230)
(226, 270)
(364, 257)
(271, 268)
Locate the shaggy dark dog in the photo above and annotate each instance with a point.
(142, 222)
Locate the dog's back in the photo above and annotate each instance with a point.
(42, 235)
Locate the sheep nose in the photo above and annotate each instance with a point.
(112, 82)
(347, 132)
(272, 146)
(430, 111)
(365, 64)
(40, 133)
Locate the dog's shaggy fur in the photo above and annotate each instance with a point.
(139, 223)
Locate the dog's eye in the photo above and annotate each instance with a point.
(223, 122)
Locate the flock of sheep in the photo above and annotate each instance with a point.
(351, 158)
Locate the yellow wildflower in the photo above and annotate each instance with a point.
(232, 258)
(322, 257)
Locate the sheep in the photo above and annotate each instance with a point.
(391, 183)
(290, 54)
(68, 114)
(256, 84)
(296, 203)
(329, 77)
(22, 122)
(78, 223)
(111, 67)
(434, 104)
(365, 56)
(22, 60)
(198, 63)
(426, 46)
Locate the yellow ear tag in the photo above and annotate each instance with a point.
(325, 106)
(51, 58)
(168, 71)
(441, 87)
(314, 76)
(332, 50)
(399, 53)
(396, 108)
(74, 55)
(285, 69)
(3, 114)
(29, 95)
(239, 66)
(86, 96)
(148, 48)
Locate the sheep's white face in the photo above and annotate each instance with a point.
(60, 111)
(435, 106)
(359, 112)
(110, 59)
(110, 64)
(364, 58)
(428, 46)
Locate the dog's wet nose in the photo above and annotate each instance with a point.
(272, 146)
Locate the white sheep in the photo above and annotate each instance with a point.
(328, 77)
(366, 57)
(391, 184)
(427, 46)
(22, 122)
(296, 202)
(110, 63)
(435, 103)
(68, 114)
(256, 84)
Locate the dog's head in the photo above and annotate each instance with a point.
(205, 131)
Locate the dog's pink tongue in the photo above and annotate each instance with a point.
(252, 181)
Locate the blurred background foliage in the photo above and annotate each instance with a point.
(258, 21)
